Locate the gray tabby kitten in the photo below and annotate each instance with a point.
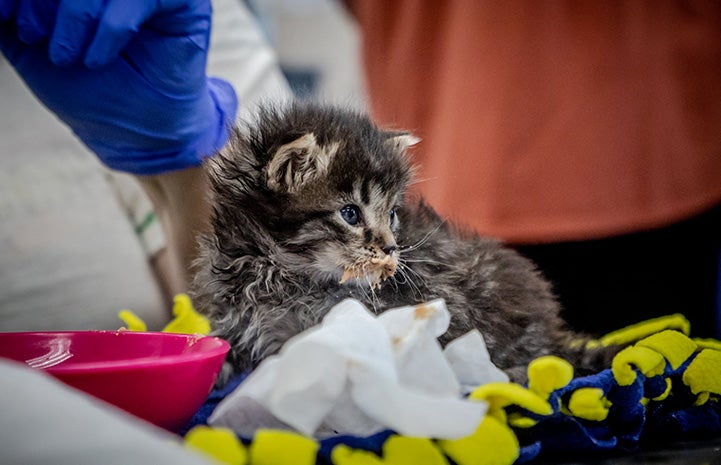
(309, 209)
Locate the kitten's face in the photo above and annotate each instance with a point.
(345, 212)
(354, 241)
(316, 190)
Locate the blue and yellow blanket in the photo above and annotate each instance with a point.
(664, 386)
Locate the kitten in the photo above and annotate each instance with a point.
(310, 209)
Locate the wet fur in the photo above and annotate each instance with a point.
(265, 270)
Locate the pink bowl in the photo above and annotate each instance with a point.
(160, 377)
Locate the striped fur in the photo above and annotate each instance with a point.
(281, 254)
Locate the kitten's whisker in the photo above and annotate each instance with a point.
(404, 271)
(400, 274)
(420, 180)
(417, 275)
(363, 291)
(374, 299)
(416, 289)
(406, 282)
(410, 271)
(433, 262)
(424, 239)
(394, 283)
(366, 296)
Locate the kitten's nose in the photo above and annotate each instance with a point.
(389, 248)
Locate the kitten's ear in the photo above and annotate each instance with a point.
(400, 141)
(297, 162)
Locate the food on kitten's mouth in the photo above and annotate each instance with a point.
(387, 266)
(375, 271)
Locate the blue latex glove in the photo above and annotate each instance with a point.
(127, 76)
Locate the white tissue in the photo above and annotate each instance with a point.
(469, 359)
(358, 374)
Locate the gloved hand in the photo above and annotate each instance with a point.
(127, 76)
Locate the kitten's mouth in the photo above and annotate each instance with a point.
(374, 271)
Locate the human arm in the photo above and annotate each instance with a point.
(144, 105)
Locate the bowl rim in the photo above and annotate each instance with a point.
(130, 363)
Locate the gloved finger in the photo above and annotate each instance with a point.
(226, 104)
(182, 17)
(76, 20)
(34, 19)
(7, 9)
(120, 21)
(224, 96)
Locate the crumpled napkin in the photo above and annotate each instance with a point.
(358, 374)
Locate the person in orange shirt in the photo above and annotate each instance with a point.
(588, 135)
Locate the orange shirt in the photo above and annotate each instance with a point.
(549, 121)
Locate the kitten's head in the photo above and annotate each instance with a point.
(316, 188)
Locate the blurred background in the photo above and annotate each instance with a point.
(584, 134)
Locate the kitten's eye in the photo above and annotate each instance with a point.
(393, 214)
(351, 214)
